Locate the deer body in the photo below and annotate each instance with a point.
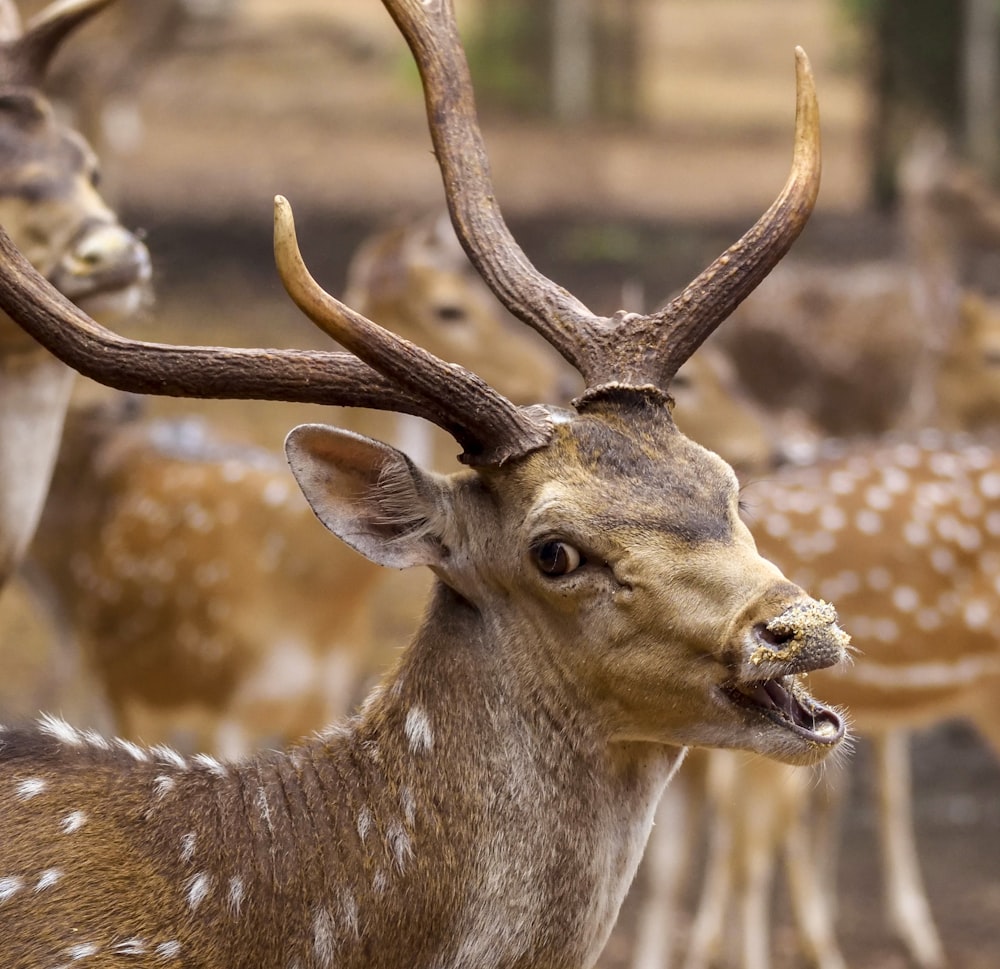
(316, 858)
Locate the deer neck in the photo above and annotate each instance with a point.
(34, 395)
(476, 829)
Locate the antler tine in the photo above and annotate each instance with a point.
(134, 366)
(499, 428)
(432, 34)
(667, 338)
(30, 54)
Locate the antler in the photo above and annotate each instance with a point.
(624, 351)
(315, 377)
(628, 349)
(24, 59)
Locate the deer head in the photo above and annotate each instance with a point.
(49, 199)
(599, 603)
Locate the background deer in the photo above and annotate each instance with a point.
(859, 346)
(50, 206)
(209, 606)
(747, 831)
(490, 803)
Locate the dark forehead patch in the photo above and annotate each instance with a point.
(653, 478)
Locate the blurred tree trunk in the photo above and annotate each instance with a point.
(915, 58)
(573, 59)
(980, 58)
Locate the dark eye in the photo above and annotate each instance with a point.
(450, 313)
(95, 177)
(557, 558)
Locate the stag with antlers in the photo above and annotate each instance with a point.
(598, 605)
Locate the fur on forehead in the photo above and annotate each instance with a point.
(626, 452)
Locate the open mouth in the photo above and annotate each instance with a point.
(784, 702)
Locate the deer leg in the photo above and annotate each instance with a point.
(907, 907)
(706, 933)
(758, 849)
(812, 894)
(665, 864)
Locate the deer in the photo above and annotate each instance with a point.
(597, 606)
(51, 207)
(208, 605)
(877, 329)
(98, 83)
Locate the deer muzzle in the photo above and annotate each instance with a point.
(783, 635)
(105, 266)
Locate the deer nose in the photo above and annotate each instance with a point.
(800, 634)
(103, 258)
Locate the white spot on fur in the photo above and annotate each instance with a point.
(380, 882)
(418, 730)
(905, 598)
(989, 485)
(407, 803)
(777, 526)
(30, 788)
(83, 950)
(832, 518)
(198, 887)
(365, 821)
(133, 750)
(942, 559)
(188, 843)
(163, 784)
(73, 822)
(235, 895)
(276, 493)
(60, 730)
(324, 937)
(9, 887)
(868, 522)
(977, 614)
(399, 844)
(211, 764)
(168, 950)
(169, 756)
(47, 879)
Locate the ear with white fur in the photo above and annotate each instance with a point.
(369, 495)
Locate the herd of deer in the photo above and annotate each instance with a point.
(597, 605)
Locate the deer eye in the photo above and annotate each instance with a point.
(450, 313)
(556, 558)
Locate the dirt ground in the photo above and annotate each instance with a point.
(595, 207)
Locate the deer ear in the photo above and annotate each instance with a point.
(369, 495)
